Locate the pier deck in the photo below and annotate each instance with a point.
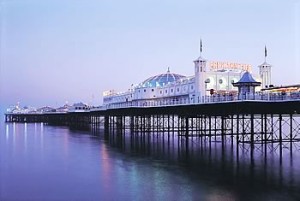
(238, 121)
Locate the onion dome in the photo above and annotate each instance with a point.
(161, 80)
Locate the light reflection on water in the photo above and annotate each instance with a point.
(7, 131)
(25, 137)
(40, 162)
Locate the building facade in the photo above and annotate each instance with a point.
(211, 78)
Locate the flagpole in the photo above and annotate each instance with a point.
(200, 47)
(266, 53)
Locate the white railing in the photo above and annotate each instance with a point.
(272, 97)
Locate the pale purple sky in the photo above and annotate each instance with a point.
(53, 51)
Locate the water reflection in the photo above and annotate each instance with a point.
(14, 134)
(266, 168)
(25, 136)
(18, 136)
(68, 164)
(42, 135)
(7, 132)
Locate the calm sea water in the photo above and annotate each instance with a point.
(41, 162)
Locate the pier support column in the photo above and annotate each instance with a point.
(216, 128)
(272, 127)
(252, 130)
(131, 124)
(168, 125)
(266, 127)
(280, 129)
(106, 127)
(209, 129)
(291, 128)
(280, 137)
(243, 127)
(237, 128)
(187, 127)
(232, 126)
(223, 128)
(262, 128)
(173, 123)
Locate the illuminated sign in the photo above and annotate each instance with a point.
(217, 65)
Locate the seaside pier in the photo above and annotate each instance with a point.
(219, 103)
(242, 122)
(235, 121)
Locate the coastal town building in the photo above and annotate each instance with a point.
(211, 79)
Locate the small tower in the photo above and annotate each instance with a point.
(265, 72)
(246, 86)
(200, 75)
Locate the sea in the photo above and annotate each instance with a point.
(40, 162)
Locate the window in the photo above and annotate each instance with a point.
(192, 87)
(152, 90)
(160, 92)
(171, 90)
(207, 80)
(166, 91)
(178, 89)
(144, 90)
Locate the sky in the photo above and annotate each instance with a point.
(53, 51)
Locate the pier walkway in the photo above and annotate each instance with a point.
(241, 121)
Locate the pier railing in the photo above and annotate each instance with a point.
(217, 98)
(272, 97)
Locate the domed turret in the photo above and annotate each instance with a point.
(246, 86)
(161, 79)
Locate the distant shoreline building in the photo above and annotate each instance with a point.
(211, 78)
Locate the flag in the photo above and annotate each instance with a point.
(265, 51)
(200, 45)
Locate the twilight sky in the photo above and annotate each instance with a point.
(52, 51)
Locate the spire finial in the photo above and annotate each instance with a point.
(266, 52)
(168, 70)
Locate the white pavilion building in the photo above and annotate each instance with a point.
(210, 79)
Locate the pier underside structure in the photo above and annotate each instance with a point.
(237, 122)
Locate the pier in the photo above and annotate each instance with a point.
(218, 103)
(236, 121)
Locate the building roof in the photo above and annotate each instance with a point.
(80, 104)
(161, 80)
(295, 87)
(200, 59)
(247, 79)
(265, 64)
(46, 109)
